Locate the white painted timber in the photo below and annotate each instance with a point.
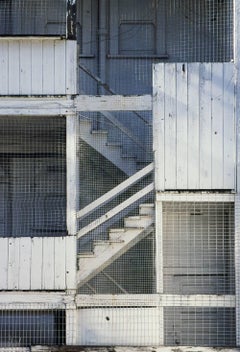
(98, 139)
(114, 103)
(43, 263)
(157, 300)
(194, 126)
(38, 66)
(108, 251)
(194, 197)
(35, 106)
(72, 129)
(118, 326)
(122, 187)
(50, 106)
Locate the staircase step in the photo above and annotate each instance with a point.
(99, 132)
(98, 140)
(120, 234)
(101, 246)
(86, 255)
(142, 221)
(146, 209)
(114, 144)
(107, 252)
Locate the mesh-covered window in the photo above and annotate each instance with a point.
(32, 17)
(188, 30)
(28, 327)
(33, 176)
(198, 247)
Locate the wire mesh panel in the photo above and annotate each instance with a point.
(198, 259)
(32, 327)
(198, 246)
(33, 176)
(199, 326)
(32, 17)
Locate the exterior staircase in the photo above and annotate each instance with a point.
(98, 140)
(120, 241)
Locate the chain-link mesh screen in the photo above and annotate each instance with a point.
(32, 17)
(33, 176)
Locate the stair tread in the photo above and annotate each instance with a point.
(147, 205)
(106, 242)
(139, 217)
(99, 132)
(86, 255)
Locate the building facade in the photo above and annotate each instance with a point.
(119, 209)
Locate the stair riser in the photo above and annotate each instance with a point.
(146, 211)
(138, 223)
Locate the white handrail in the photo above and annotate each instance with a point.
(111, 213)
(107, 197)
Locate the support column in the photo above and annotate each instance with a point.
(72, 173)
(72, 208)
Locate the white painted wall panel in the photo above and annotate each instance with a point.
(37, 263)
(194, 126)
(37, 66)
(119, 326)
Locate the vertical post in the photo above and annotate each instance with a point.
(159, 263)
(71, 324)
(72, 174)
(158, 147)
(71, 20)
(72, 207)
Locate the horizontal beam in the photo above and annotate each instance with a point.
(54, 106)
(36, 106)
(122, 349)
(113, 103)
(155, 300)
(194, 197)
(21, 300)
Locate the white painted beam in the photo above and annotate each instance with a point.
(29, 106)
(32, 300)
(53, 106)
(156, 300)
(194, 197)
(113, 103)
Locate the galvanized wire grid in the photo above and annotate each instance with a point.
(33, 176)
(27, 17)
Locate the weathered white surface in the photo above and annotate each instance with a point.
(157, 300)
(194, 126)
(26, 106)
(116, 326)
(37, 66)
(39, 263)
(114, 103)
